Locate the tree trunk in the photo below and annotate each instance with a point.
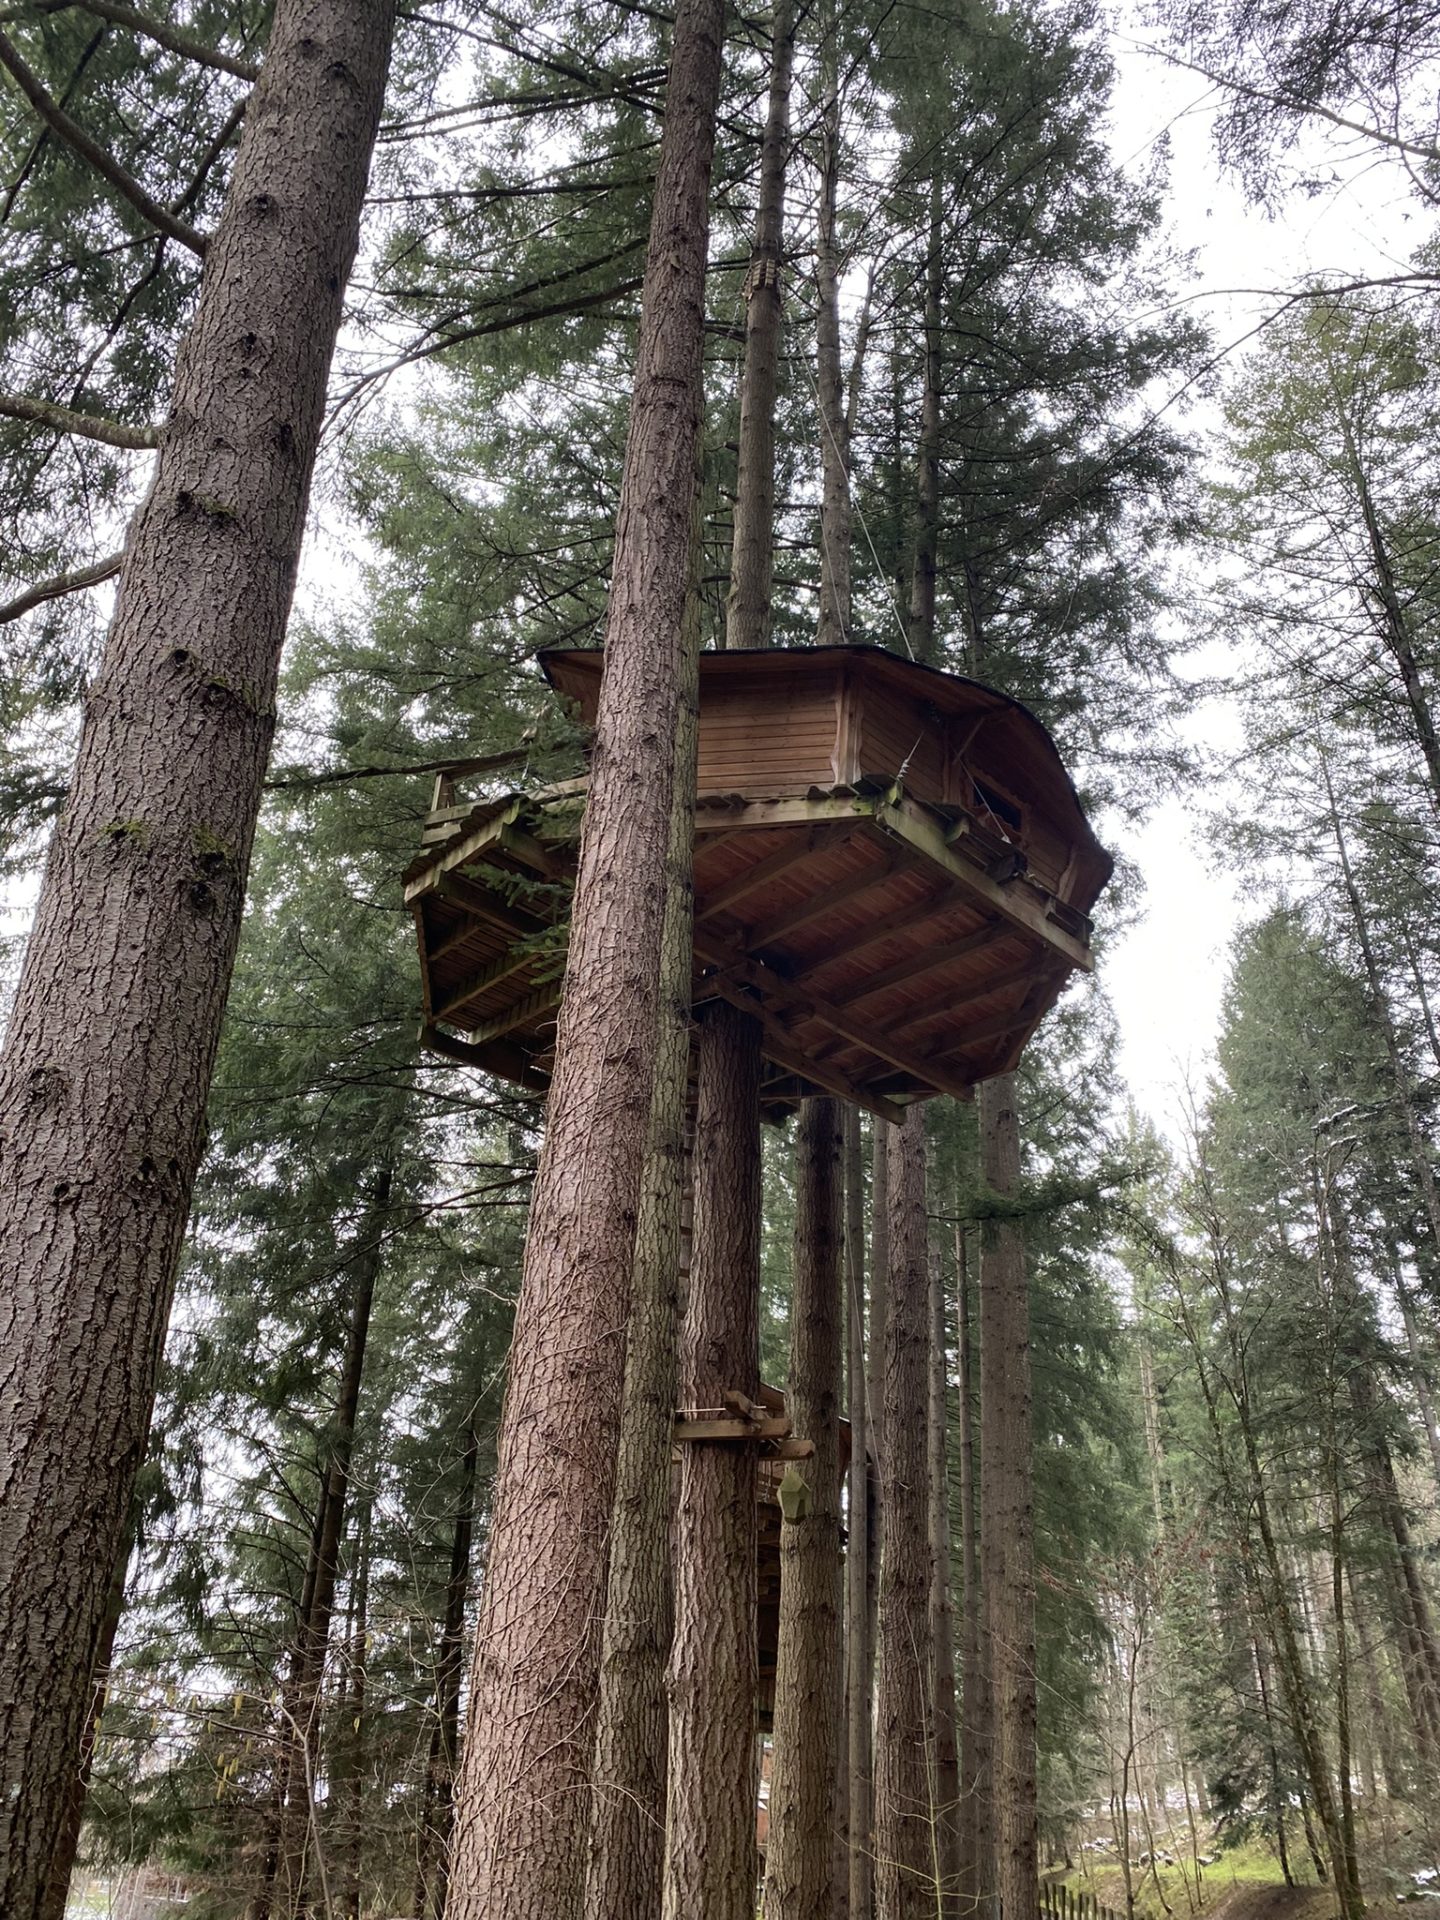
(1007, 1513)
(710, 1865)
(800, 1856)
(433, 1865)
(859, 1647)
(522, 1814)
(905, 1830)
(747, 611)
(927, 476)
(942, 1611)
(875, 1382)
(835, 511)
(348, 1766)
(977, 1838)
(627, 1830)
(111, 1044)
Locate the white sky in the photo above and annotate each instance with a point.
(1165, 975)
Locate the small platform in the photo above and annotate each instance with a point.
(892, 872)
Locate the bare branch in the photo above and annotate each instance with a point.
(90, 426)
(164, 35)
(59, 585)
(75, 136)
(487, 763)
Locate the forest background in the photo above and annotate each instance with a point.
(1132, 504)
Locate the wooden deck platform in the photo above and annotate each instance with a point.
(898, 933)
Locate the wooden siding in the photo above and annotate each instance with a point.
(782, 742)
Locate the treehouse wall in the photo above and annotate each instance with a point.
(779, 740)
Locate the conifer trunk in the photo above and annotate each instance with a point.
(433, 1862)
(110, 1048)
(860, 1667)
(627, 1830)
(1007, 1513)
(927, 474)
(752, 567)
(522, 1814)
(905, 1829)
(800, 1857)
(976, 1840)
(942, 1611)
(835, 511)
(710, 1865)
(875, 1381)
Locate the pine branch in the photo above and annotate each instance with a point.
(75, 136)
(59, 585)
(89, 426)
(164, 35)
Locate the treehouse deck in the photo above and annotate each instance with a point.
(893, 873)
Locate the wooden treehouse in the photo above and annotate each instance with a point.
(893, 873)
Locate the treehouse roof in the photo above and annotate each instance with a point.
(893, 872)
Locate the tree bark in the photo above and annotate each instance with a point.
(905, 1827)
(627, 1822)
(710, 1864)
(800, 1857)
(522, 1814)
(860, 1669)
(1007, 1513)
(927, 464)
(977, 1841)
(942, 1611)
(110, 1048)
(433, 1862)
(875, 1383)
(835, 511)
(747, 611)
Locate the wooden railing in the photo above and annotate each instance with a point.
(1059, 1902)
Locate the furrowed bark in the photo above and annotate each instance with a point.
(905, 1861)
(110, 1049)
(800, 1857)
(523, 1806)
(710, 1859)
(432, 1870)
(835, 513)
(977, 1844)
(860, 1666)
(942, 1611)
(627, 1822)
(1007, 1514)
(747, 611)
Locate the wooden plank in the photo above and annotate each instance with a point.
(1032, 1007)
(966, 997)
(533, 1007)
(732, 1429)
(941, 899)
(926, 960)
(791, 810)
(803, 846)
(511, 962)
(469, 846)
(816, 905)
(502, 1058)
(1015, 902)
(482, 904)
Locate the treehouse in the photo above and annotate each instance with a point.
(893, 873)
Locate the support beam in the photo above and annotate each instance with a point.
(801, 847)
(925, 961)
(816, 905)
(511, 962)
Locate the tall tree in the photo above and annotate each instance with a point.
(521, 1825)
(103, 1111)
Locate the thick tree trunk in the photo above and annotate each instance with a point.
(835, 511)
(627, 1823)
(905, 1827)
(433, 1850)
(977, 1842)
(747, 611)
(800, 1856)
(927, 466)
(522, 1815)
(710, 1864)
(1007, 1513)
(942, 1611)
(875, 1383)
(860, 1667)
(110, 1048)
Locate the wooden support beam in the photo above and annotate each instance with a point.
(803, 845)
(481, 904)
(1021, 902)
(948, 1004)
(534, 1006)
(1002, 1024)
(801, 810)
(509, 963)
(501, 1057)
(817, 905)
(780, 1049)
(926, 960)
(732, 1427)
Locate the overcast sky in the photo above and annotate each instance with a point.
(1165, 976)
